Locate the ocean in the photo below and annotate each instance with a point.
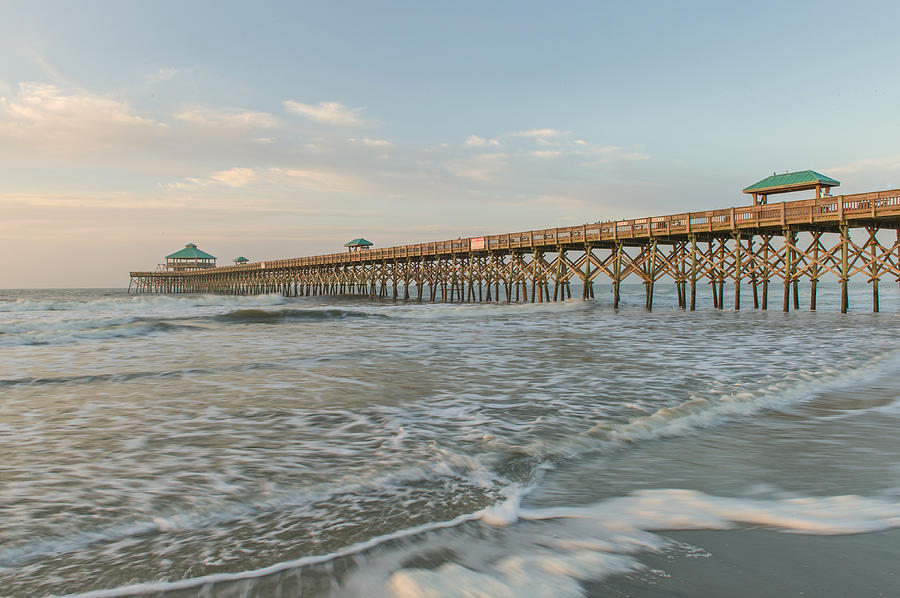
(205, 446)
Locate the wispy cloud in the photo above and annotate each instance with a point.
(186, 184)
(310, 179)
(476, 141)
(382, 143)
(235, 177)
(236, 119)
(319, 179)
(554, 143)
(328, 113)
(483, 167)
(541, 133)
(44, 115)
(546, 153)
(595, 154)
(161, 75)
(881, 163)
(562, 202)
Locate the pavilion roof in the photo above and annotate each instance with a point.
(241, 259)
(360, 242)
(791, 181)
(190, 251)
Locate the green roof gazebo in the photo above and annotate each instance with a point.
(240, 260)
(190, 258)
(357, 244)
(788, 182)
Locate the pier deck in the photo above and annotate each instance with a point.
(759, 244)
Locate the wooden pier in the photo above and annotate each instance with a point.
(760, 245)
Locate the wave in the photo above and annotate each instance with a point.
(26, 305)
(70, 331)
(549, 551)
(710, 410)
(566, 546)
(357, 548)
(263, 316)
(465, 471)
(115, 377)
(675, 507)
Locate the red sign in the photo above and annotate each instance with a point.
(476, 243)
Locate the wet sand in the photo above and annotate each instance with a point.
(762, 563)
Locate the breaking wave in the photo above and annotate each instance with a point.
(70, 331)
(141, 301)
(547, 552)
(263, 316)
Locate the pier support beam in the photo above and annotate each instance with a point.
(754, 266)
(874, 266)
(814, 270)
(617, 274)
(767, 271)
(738, 270)
(693, 272)
(788, 267)
(845, 267)
(651, 275)
(588, 291)
(721, 273)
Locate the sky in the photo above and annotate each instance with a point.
(284, 129)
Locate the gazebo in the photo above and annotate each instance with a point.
(190, 258)
(358, 244)
(240, 260)
(788, 182)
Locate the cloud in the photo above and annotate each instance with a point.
(867, 165)
(607, 153)
(484, 167)
(234, 119)
(163, 75)
(319, 179)
(309, 179)
(43, 115)
(382, 143)
(476, 141)
(235, 177)
(558, 202)
(186, 184)
(328, 113)
(541, 133)
(546, 153)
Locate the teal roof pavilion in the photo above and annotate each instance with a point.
(190, 251)
(790, 181)
(360, 242)
(807, 179)
(241, 260)
(190, 258)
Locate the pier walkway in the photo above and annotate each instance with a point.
(759, 245)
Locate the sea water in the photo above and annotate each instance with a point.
(198, 446)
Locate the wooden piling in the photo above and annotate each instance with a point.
(845, 267)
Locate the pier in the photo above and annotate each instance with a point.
(763, 245)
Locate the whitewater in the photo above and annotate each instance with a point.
(202, 445)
